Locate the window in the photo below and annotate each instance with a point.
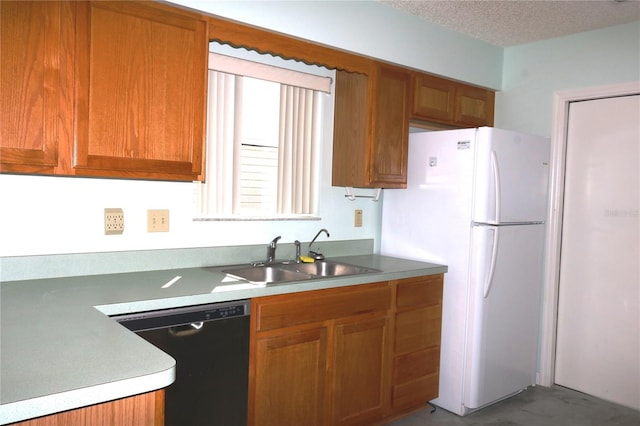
(264, 131)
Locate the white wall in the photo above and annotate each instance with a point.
(533, 72)
(55, 215)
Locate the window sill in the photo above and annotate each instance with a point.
(256, 218)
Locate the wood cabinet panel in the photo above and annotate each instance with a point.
(416, 362)
(289, 379)
(294, 309)
(433, 98)
(447, 102)
(360, 370)
(370, 140)
(350, 150)
(140, 105)
(419, 291)
(321, 357)
(114, 89)
(34, 41)
(474, 106)
(417, 329)
(265, 41)
(390, 128)
(146, 409)
(415, 393)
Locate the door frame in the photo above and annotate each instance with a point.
(560, 121)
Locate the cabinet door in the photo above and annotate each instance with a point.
(350, 163)
(433, 98)
(390, 127)
(32, 36)
(360, 370)
(474, 106)
(141, 84)
(289, 378)
(449, 103)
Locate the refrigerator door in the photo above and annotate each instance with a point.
(511, 181)
(504, 311)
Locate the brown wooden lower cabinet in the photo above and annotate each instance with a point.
(289, 378)
(360, 378)
(416, 362)
(353, 355)
(146, 409)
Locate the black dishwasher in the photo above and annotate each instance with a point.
(210, 344)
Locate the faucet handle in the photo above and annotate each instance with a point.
(315, 255)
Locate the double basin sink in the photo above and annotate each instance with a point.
(286, 272)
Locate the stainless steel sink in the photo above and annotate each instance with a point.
(266, 274)
(326, 268)
(286, 272)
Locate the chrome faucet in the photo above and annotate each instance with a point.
(271, 250)
(314, 254)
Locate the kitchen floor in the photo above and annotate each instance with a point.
(537, 406)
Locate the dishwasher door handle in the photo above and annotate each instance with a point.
(186, 330)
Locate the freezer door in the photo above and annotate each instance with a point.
(504, 312)
(511, 177)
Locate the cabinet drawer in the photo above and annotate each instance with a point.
(414, 365)
(416, 392)
(316, 306)
(418, 329)
(419, 291)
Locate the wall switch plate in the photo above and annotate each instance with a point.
(157, 220)
(357, 219)
(113, 221)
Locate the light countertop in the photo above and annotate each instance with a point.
(59, 349)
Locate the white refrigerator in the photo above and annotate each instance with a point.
(476, 200)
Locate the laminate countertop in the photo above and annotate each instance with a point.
(59, 349)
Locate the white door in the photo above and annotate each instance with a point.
(598, 333)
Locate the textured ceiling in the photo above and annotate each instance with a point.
(512, 22)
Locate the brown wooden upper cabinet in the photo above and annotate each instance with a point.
(371, 126)
(118, 89)
(113, 89)
(447, 102)
(33, 66)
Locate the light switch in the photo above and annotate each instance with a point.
(357, 220)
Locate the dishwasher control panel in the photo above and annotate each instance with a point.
(141, 321)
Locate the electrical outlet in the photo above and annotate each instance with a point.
(357, 219)
(113, 221)
(157, 220)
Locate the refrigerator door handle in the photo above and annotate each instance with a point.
(495, 168)
(492, 265)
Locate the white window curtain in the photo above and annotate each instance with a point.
(298, 142)
(297, 150)
(216, 195)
